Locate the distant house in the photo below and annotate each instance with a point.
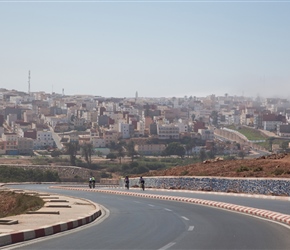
(150, 149)
(283, 130)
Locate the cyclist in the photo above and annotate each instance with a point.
(142, 183)
(127, 182)
(93, 181)
(90, 182)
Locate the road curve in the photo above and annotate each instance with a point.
(138, 223)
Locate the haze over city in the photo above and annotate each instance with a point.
(158, 48)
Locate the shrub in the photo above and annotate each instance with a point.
(278, 171)
(242, 169)
(258, 169)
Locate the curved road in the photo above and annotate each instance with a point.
(139, 223)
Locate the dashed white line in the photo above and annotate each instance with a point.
(151, 205)
(183, 217)
(190, 228)
(137, 201)
(167, 246)
(167, 209)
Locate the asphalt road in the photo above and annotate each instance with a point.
(280, 206)
(140, 223)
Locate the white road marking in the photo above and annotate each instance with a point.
(167, 246)
(184, 218)
(137, 201)
(151, 205)
(167, 209)
(191, 228)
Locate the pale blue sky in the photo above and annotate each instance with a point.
(116, 48)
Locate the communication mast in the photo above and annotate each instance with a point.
(29, 82)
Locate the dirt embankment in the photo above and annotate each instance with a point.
(274, 166)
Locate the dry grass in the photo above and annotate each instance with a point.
(12, 203)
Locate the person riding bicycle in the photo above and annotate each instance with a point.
(142, 182)
(126, 180)
(90, 182)
(93, 181)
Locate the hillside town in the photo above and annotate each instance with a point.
(50, 121)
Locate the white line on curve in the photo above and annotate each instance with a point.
(191, 228)
(167, 246)
(183, 217)
(167, 209)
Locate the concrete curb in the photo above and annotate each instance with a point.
(275, 216)
(15, 237)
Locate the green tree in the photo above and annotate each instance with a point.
(120, 151)
(192, 117)
(211, 154)
(131, 152)
(174, 148)
(214, 118)
(285, 145)
(87, 151)
(202, 155)
(270, 142)
(241, 154)
(72, 148)
(111, 156)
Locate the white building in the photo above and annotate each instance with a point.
(43, 139)
(124, 129)
(141, 128)
(167, 131)
(206, 134)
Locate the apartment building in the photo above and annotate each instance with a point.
(150, 149)
(126, 130)
(11, 140)
(167, 131)
(206, 134)
(44, 139)
(25, 146)
(283, 130)
(111, 136)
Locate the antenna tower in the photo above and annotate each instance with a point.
(29, 82)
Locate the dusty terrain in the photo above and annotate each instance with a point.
(275, 166)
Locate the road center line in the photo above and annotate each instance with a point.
(167, 246)
(183, 217)
(167, 209)
(151, 205)
(191, 228)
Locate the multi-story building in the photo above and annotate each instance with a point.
(126, 130)
(11, 142)
(25, 145)
(44, 139)
(167, 131)
(206, 134)
(283, 130)
(111, 136)
(150, 149)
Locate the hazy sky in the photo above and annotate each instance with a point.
(158, 48)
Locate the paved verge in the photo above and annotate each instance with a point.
(60, 213)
